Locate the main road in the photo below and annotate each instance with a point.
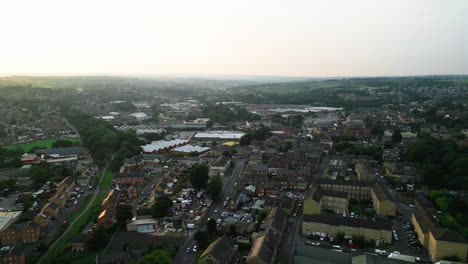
(182, 257)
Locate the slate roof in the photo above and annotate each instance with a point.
(265, 246)
(220, 250)
(221, 162)
(380, 193)
(348, 221)
(282, 202)
(317, 193)
(62, 151)
(130, 174)
(344, 182)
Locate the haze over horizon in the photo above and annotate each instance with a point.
(236, 38)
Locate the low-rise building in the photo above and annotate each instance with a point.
(284, 202)
(220, 166)
(221, 251)
(52, 208)
(131, 177)
(12, 255)
(106, 218)
(20, 233)
(266, 244)
(364, 173)
(77, 242)
(42, 219)
(318, 199)
(67, 183)
(362, 190)
(326, 225)
(143, 225)
(440, 242)
(383, 205)
(256, 174)
(60, 199)
(111, 201)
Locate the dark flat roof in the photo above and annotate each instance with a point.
(348, 221)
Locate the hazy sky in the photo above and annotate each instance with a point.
(252, 37)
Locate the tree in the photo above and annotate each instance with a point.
(99, 239)
(396, 136)
(211, 226)
(245, 140)
(124, 214)
(161, 207)
(434, 194)
(340, 237)
(233, 229)
(359, 241)
(62, 143)
(202, 238)
(199, 176)
(215, 186)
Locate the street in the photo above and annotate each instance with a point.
(228, 189)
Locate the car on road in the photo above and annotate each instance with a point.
(396, 252)
(194, 249)
(412, 205)
(75, 202)
(381, 252)
(188, 250)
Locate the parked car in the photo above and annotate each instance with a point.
(188, 250)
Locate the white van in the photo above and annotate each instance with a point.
(191, 226)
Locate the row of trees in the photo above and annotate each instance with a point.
(103, 141)
(444, 164)
(260, 133)
(224, 114)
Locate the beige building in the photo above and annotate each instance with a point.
(440, 242)
(318, 199)
(325, 225)
(364, 173)
(381, 201)
(362, 190)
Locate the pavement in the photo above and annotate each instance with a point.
(228, 190)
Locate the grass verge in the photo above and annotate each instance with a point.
(107, 179)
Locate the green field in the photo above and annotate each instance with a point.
(294, 87)
(46, 143)
(107, 180)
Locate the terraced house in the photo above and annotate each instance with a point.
(131, 177)
(326, 225)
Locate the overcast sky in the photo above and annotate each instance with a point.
(252, 37)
